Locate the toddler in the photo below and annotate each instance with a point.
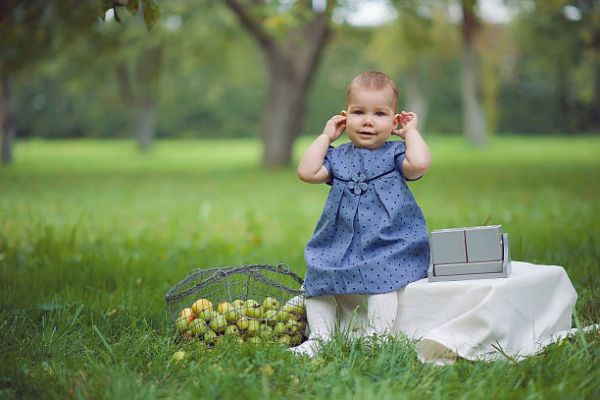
(372, 237)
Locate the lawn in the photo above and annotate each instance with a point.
(92, 235)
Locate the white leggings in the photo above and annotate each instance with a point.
(322, 316)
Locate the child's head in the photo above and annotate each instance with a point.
(373, 80)
(371, 109)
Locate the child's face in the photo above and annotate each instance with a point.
(371, 117)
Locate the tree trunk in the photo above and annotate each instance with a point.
(290, 76)
(291, 60)
(282, 119)
(145, 118)
(142, 111)
(7, 119)
(147, 77)
(284, 111)
(473, 115)
(564, 105)
(416, 96)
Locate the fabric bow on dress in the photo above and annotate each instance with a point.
(357, 184)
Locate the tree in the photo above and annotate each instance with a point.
(35, 29)
(497, 57)
(473, 116)
(417, 45)
(291, 37)
(561, 39)
(137, 70)
(28, 32)
(138, 76)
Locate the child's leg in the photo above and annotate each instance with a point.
(321, 313)
(381, 312)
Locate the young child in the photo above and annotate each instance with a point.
(372, 237)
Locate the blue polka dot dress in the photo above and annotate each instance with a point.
(372, 236)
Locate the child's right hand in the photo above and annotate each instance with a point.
(335, 127)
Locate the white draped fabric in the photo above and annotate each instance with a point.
(483, 319)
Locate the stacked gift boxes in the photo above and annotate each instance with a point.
(479, 252)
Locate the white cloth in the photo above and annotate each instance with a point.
(482, 319)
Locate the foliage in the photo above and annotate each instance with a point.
(33, 29)
(36, 29)
(69, 103)
(416, 49)
(213, 81)
(148, 8)
(92, 235)
(559, 58)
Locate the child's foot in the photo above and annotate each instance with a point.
(308, 348)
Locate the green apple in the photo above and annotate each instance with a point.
(253, 327)
(279, 328)
(178, 356)
(238, 303)
(270, 316)
(218, 324)
(206, 314)
(299, 310)
(187, 313)
(283, 316)
(251, 303)
(296, 317)
(254, 340)
(210, 337)
(182, 324)
(240, 340)
(265, 332)
(270, 303)
(198, 326)
(224, 306)
(285, 339)
(254, 312)
(289, 308)
(296, 339)
(242, 323)
(201, 305)
(231, 316)
(240, 310)
(293, 326)
(232, 330)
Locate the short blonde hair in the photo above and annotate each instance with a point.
(373, 80)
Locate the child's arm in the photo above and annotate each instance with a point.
(418, 157)
(311, 168)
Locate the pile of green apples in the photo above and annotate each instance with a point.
(245, 321)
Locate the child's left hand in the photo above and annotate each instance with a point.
(408, 121)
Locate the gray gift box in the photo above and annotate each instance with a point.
(479, 252)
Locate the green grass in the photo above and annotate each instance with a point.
(92, 235)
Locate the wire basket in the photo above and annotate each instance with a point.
(252, 303)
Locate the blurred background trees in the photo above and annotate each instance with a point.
(244, 68)
(30, 31)
(416, 49)
(36, 33)
(291, 38)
